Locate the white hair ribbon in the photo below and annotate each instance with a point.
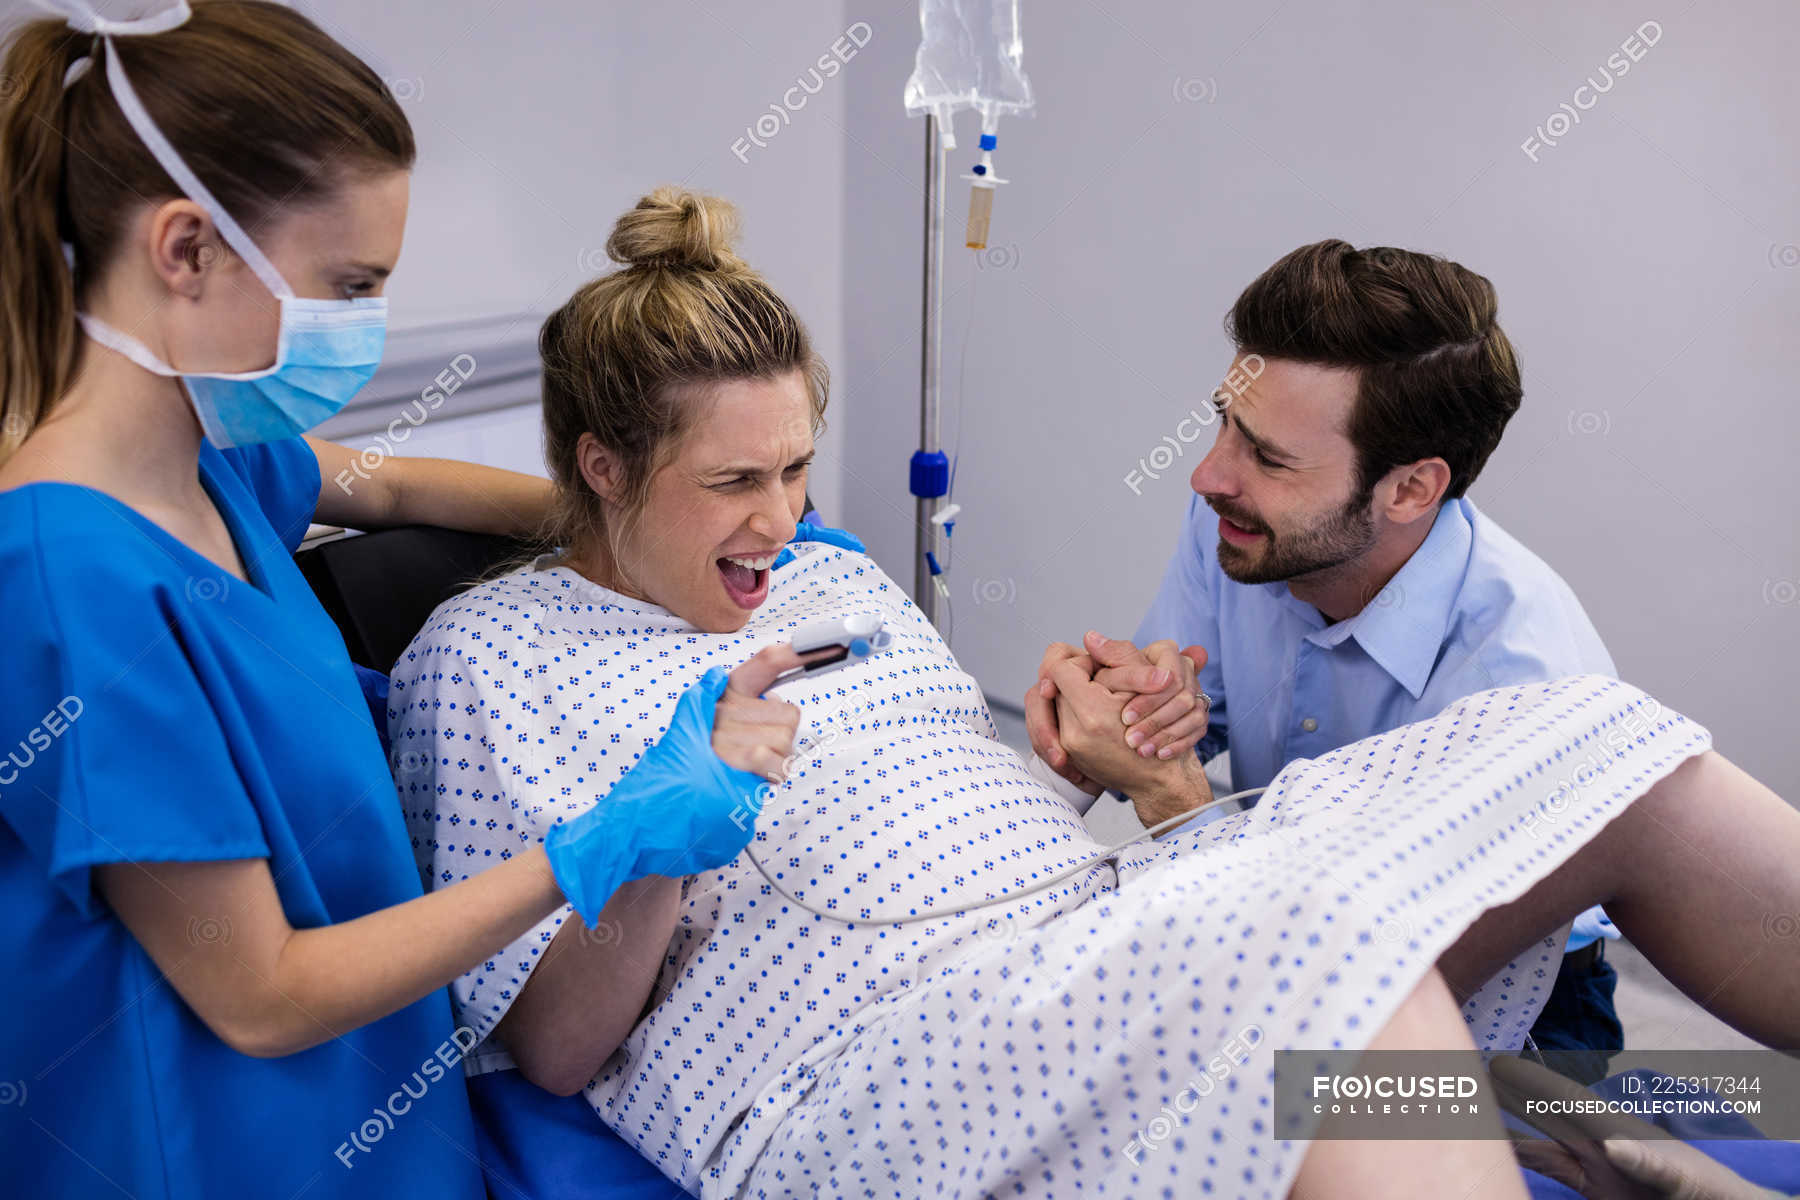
(86, 19)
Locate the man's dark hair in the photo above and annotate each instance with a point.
(1436, 375)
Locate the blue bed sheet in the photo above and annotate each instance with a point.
(536, 1146)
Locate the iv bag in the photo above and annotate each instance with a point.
(969, 57)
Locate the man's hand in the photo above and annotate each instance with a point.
(1088, 719)
(1168, 714)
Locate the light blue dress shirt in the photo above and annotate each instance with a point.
(1472, 609)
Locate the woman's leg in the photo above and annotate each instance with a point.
(1700, 872)
(1384, 1170)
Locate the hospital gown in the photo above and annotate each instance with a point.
(1021, 1048)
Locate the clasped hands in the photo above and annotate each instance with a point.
(1109, 715)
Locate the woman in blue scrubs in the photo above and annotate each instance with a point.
(226, 980)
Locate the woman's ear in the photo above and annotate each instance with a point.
(184, 246)
(599, 467)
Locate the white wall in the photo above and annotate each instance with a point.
(538, 125)
(1177, 150)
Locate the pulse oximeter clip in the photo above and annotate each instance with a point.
(850, 640)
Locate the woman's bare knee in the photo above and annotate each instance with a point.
(1428, 1019)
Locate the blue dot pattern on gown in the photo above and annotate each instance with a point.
(1019, 1049)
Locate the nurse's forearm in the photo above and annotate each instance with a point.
(460, 495)
(340, 977)
(269, 990)
(373, 491)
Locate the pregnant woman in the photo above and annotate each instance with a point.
(748, 1046)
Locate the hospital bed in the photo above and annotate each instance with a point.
(381, 587)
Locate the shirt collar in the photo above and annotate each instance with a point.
(1403, 627)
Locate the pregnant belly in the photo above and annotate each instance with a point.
(915, 816)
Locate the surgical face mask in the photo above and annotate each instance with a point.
(325, 352)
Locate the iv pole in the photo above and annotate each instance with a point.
(930, 467)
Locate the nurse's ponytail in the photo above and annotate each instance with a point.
(262, 104)
(37, 293)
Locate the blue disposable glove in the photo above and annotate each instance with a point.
(803, 532)
(680, 810)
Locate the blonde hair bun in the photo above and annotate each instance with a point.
(675, 228)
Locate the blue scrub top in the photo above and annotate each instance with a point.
(157, 708)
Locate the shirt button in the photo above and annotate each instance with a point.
(1309, 724)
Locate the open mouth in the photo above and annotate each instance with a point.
(1235, 533)
(746, 579)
